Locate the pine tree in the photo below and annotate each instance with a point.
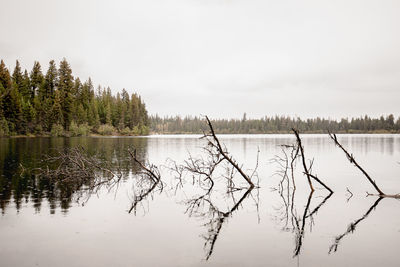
(65, 85)
(5, 86)
(87, 94)
(28, 116)
(2, 94)
(93, 114)
(108, 114)
(24, 89)
(36, 79)
(12, 109)
(5, 78)
(56, 111)
(17, 76)
(50, 79)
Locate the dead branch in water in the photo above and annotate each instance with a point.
(74, 166)
(150, 174)
(73, 170)
(214, 142)
(216, 163)
(350, 157)
(287, 213)
(307, 170)
(201, 169)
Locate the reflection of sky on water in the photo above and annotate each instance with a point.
(248, 237)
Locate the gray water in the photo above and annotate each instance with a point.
(45, 224)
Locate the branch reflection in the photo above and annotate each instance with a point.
(287, 213)
(352, 227)
(204, 207)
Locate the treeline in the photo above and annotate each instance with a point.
(57, 103)
(276, 124)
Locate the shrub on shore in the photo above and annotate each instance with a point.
(106, 129)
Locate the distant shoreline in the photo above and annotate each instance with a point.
(181, 133)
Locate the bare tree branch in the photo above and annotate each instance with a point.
(307, 170)
(214, 142)
(352, 160)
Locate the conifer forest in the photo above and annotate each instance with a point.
(58, 104)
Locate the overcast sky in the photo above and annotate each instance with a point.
(220, 57)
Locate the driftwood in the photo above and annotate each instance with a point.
(75, 166)
(307, 170)
(350, 157)
(73, 172)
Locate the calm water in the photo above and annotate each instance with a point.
(44, 223)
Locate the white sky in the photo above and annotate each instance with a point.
(219, 57)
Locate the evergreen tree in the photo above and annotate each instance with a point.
(5, 86)
(36, 79)
(5, 78)
(56, 111)
(50, 83)
(17, 76)
(12, 109)
(65, 85)
(28, 117)
(93, 114)
(24, 89)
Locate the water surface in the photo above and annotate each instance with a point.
(43, 223)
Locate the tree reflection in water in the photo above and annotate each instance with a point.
(18, 185)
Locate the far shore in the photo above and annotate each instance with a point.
(116, 134)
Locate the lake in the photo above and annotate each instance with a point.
(46, 223)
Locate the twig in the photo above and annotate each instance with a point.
(351, 194)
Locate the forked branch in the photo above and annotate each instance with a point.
(215, 143)
(307, 170)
